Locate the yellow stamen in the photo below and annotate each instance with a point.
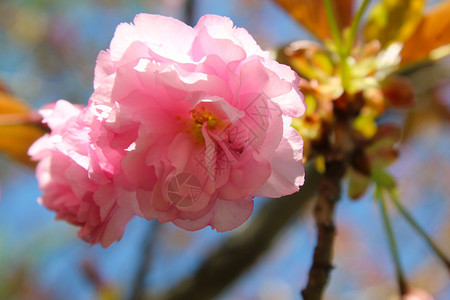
(201, 118)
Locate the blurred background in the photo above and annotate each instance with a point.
(48, 50)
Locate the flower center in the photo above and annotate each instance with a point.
(201, 117)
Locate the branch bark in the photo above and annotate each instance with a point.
(337, 152)
(189, 10)
(242, 250)
(329, 194)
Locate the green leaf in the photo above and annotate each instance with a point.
(383, 179)
(358, 184)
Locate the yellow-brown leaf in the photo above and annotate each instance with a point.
(432, 32)
(393, 21)
(15, 139)
(311, 13)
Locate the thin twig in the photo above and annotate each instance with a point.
(337, 152)
(401, 281)
(138, 284)
(223, 266)
(407, 215)
(189, 12)
(329, 194)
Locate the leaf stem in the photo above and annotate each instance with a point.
(354, 26)
(345, 73)
(337, 38)
(418, 228)
(333, 27)
(392, 243)
(344, 50)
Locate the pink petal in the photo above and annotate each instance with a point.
(103, 68)
(224, 216)
(287, 169)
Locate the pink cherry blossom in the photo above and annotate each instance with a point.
(417, 294)
(185, 125)
(205, 102)
(66, 159)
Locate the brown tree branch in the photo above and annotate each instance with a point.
(189, 12)
(242, 250)
(329, 194)
(337, 151)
